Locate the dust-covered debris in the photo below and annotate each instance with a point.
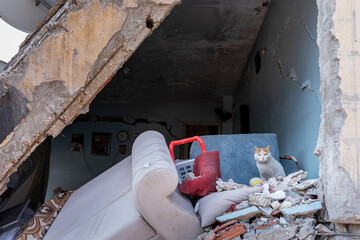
(229, 185)
(283, 210)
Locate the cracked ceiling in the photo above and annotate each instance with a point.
(196, 55)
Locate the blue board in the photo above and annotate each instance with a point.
(237, 153)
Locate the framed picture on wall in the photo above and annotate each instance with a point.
(77, 143)
(100, 144)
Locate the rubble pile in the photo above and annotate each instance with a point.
(283, 210)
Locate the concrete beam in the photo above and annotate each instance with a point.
(63, 65)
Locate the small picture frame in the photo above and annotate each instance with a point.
(100, 144)
(77, 143)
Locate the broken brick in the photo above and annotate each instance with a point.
(266, 225)
(225, 225)
(231, 232)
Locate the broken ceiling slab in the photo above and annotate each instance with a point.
(303, 209)
(64, 64)
(241, 214)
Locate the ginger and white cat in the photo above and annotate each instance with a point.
(267, 165)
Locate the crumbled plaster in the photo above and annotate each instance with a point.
(290, 74)
(65, 62)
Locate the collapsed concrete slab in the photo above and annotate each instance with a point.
(63, 65)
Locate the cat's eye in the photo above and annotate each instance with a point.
(259, 154)
(266, 154)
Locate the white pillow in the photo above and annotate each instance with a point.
(216, 204)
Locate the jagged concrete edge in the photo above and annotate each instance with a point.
(84, 97)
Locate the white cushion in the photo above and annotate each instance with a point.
(216, 204)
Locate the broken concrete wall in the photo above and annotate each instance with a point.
(339, 138)
(283, 97)
(64, 63)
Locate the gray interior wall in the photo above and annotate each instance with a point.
(279, 100)
(70, 170)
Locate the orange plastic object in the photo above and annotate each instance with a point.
(231, 232)
(186, 140)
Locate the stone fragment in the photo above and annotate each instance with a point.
(272, 182)
(295, 195)
(291, 199)
(275, 205)
(306, 230)
(241, 214)
(259, 200)
(266, 193)
(309, 237)
(291, 179)
(302, 210)
(278, 195)
(229, 185)
(311, 191)
(249, 233)
(210, 235)
(282, 220)
(250, 238)
(296, 177)
(307, 184)
(340, 227)
(266, 186)
(286, 204)
(242, 205)
(276, 232)
(322, 229)
(332, 226)
(266, 210)
(301, 192)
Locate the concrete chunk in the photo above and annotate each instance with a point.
(241, 214)
(259, 200)
(307, 184)
(276, 232)
(266, 210)
(322, 229)
(302, 210)
(275, 205)
(242, 205)
(286, 204)
(307, 230)
(278, 195)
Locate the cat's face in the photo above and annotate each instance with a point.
(262, 154)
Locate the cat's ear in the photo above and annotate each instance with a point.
(255, 148)
(268, 148)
